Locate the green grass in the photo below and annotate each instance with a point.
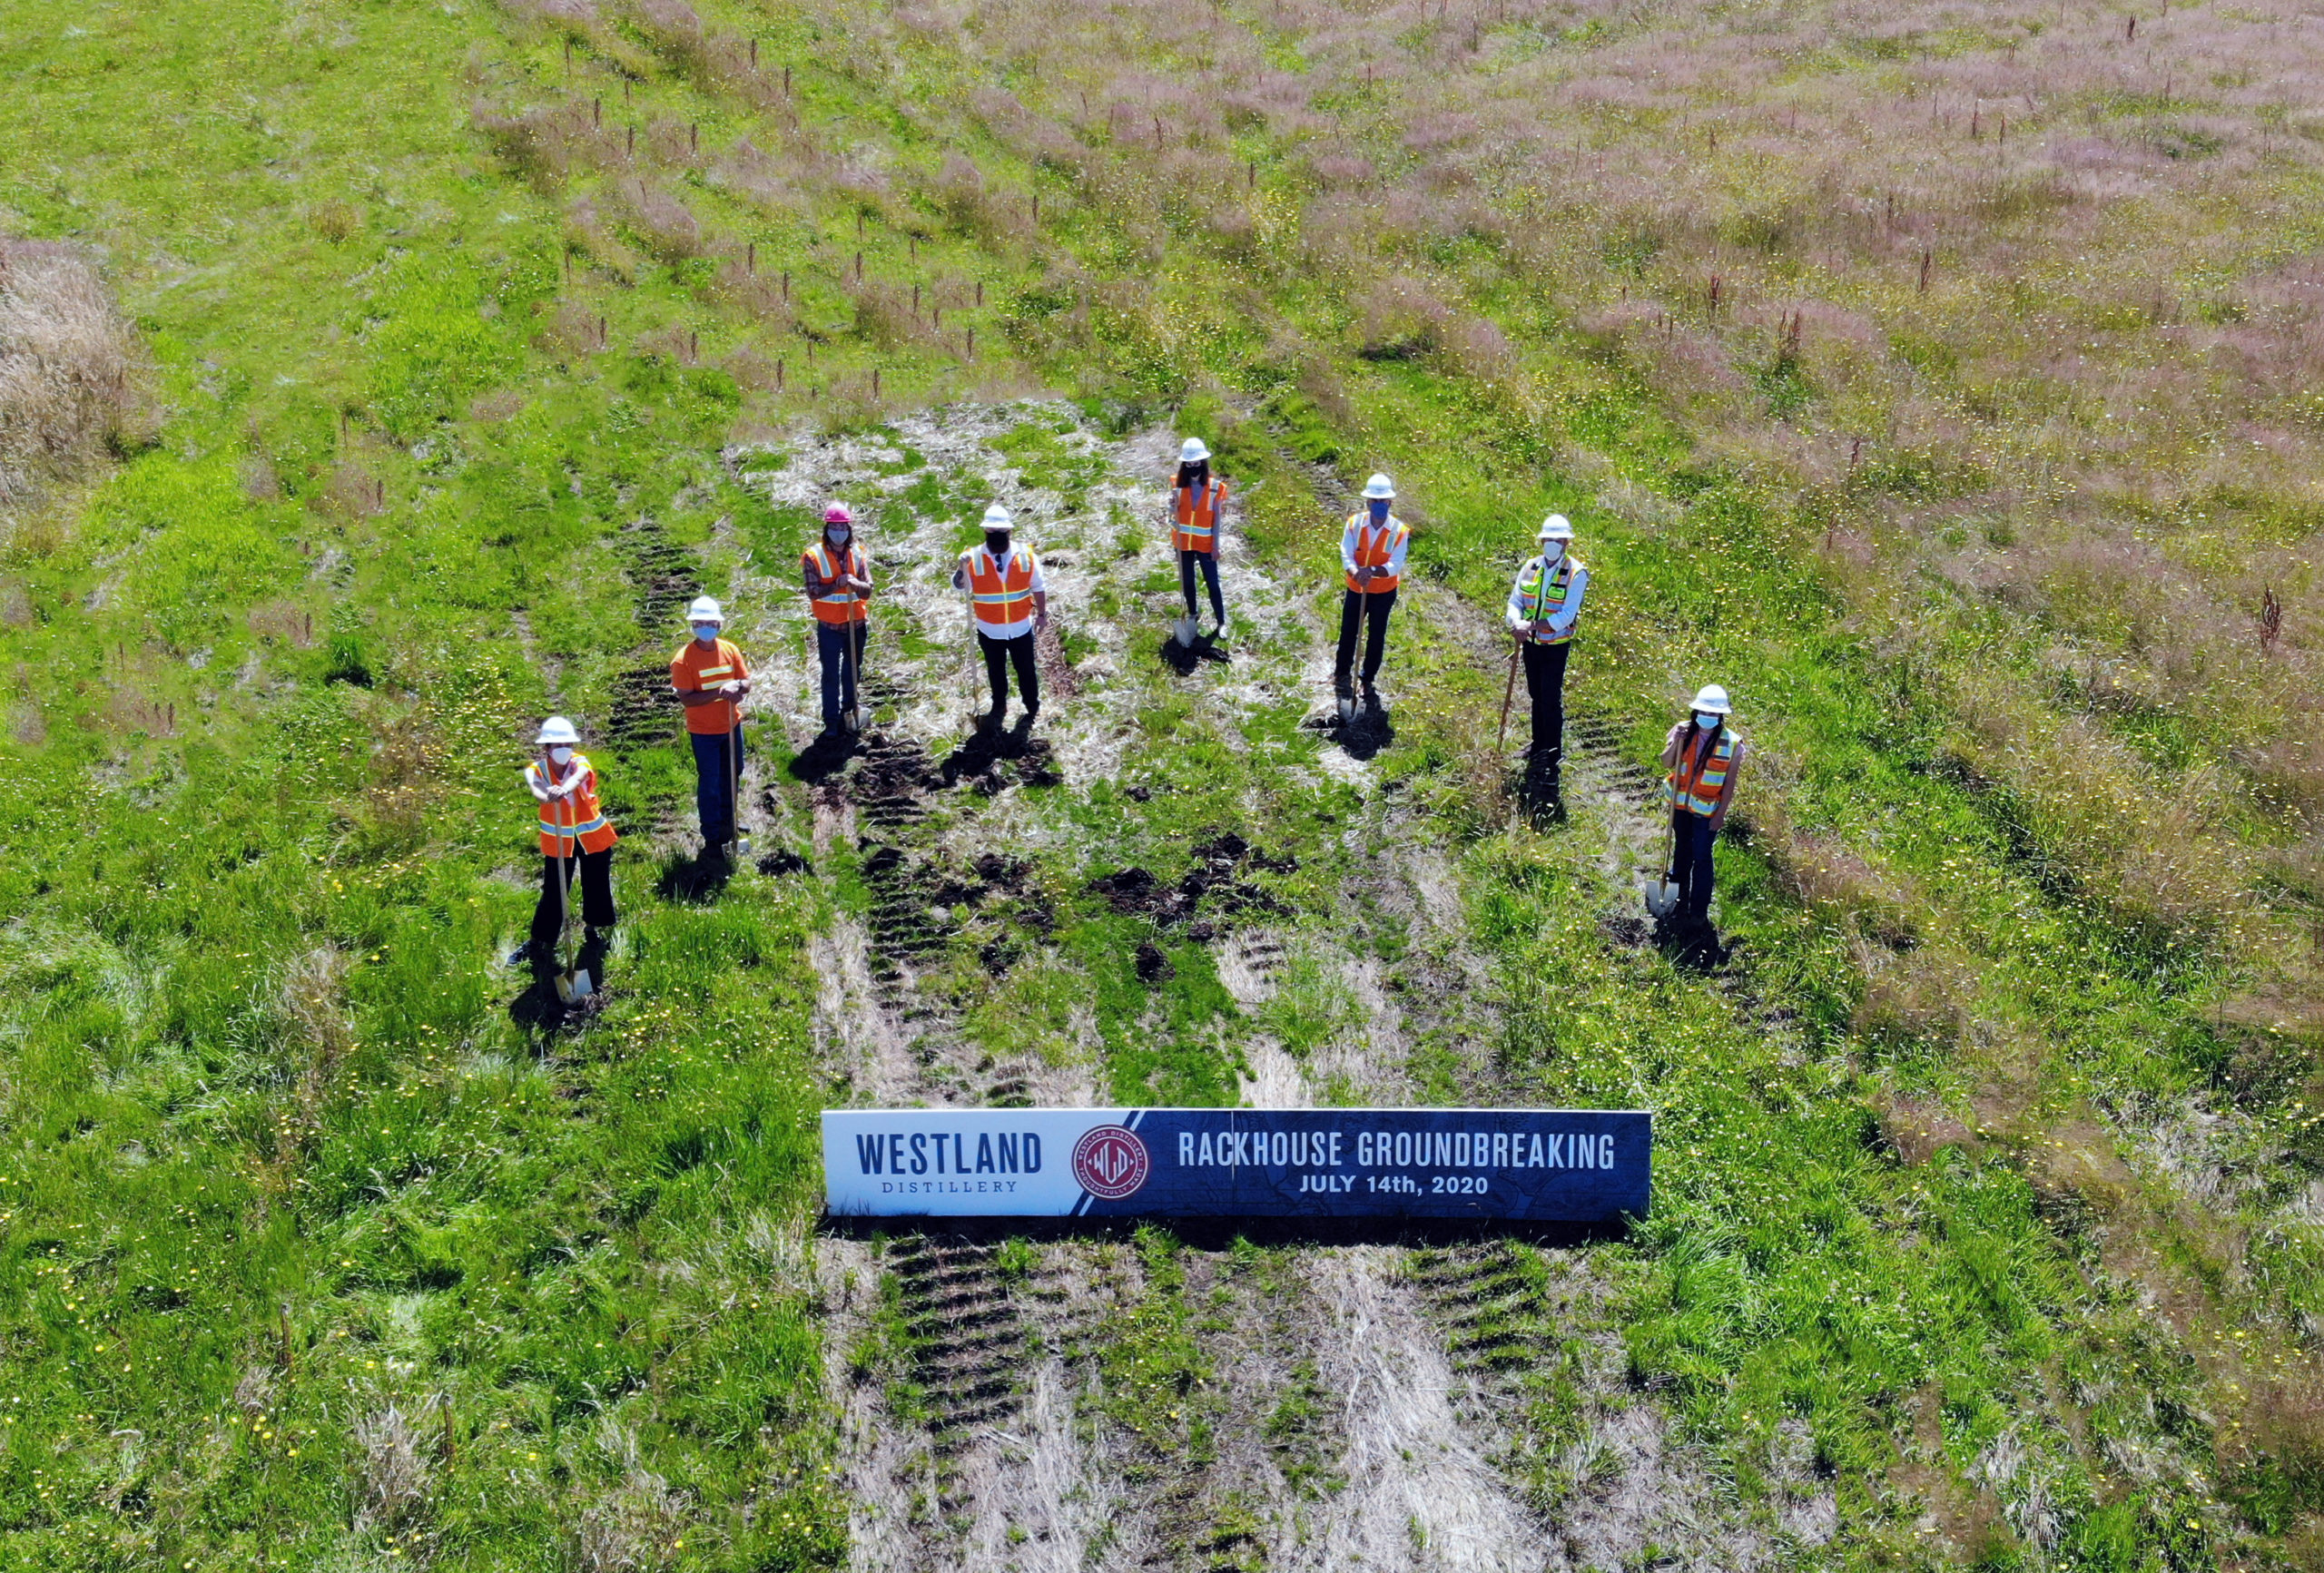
(274, 1154)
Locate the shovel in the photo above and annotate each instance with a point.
(1184, 633)
(573, 983)
(1508, 693)
(1662, 894)
(735, 795)
(851, 718)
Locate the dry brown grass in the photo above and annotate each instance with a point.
(68, 371)
(391, 1478)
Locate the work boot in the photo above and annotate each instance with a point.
(1371, 696)
(531, 953)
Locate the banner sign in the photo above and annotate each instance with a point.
(1540, 1165)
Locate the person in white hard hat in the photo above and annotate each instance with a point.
(710, 678)
(577, 839)
(1703, 758)
(1543, 605)
(1010, 599)
(1371, 555)
(1197, 502)
(836, 574)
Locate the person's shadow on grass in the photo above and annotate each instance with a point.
(1183, 659)
(823, 758)
(695, 880)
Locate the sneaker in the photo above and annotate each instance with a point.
(1032, 713)
(520, 957)
(1371, 696)
(1225, 626)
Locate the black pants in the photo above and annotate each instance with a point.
(592, 876)
(1210, 563)
(999, 655)
(1691, 865)
(1545, 686)
(842, 669)
(1353, 611)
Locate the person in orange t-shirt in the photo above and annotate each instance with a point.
(711, 679)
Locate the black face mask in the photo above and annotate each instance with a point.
(1194, 474)
(997, 542)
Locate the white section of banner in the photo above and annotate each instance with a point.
(956, 1163)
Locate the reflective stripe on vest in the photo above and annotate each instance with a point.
(1540, 607)
(1696, 788)
(1197, 517)
(1001, 596)
(842, 605)
(1376, 545)
(712, 671)
(575, 818)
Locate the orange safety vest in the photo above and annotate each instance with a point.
(1541, 604)
(1697, 785)
(1001, 596)
(843, 604)
(574, 817)
(1197, 516)
(1375, 545)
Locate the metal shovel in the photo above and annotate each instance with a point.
(735, 794)
(1184, 633)
(573, 983)
(851, 718)
(1662, 894)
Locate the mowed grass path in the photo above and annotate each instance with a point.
(313, 1255)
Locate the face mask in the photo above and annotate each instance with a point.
(997, 543)
(839, 535)
(561, 755)
(1379, 506)
(706, 632)
(1708, 723)
(1552, 550)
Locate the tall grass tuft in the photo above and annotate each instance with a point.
(68, 371)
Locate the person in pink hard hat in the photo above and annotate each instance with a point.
(837, 574)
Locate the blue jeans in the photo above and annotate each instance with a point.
(1208, 562)
(1692, 866)
(841, 673)
(715, 771)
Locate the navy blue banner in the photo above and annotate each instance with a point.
(1534, 1165)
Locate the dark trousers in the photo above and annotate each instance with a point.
(591, 875)
(999, 655)
(1545, 686)
(1353, 611)
(715, 772)
(1691, 864)
(1209, 562)
(842, 668)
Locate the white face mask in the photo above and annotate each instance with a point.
(561, 755)
(1705, 721)
(706, 632)
(1552, 550)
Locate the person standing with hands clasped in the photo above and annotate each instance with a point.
(1197, 501)
(577, 840)
(1703, 756)
(1544, 604)
(837, 574)
(1010, 599)
(710, 678)
(1371, 555)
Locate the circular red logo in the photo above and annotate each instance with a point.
(1110, 1162)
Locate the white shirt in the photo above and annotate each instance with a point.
(1395, 565)
(1040, 586)
(1563, 622)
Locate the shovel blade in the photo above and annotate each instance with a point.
(1661, 897)
(1185, 632)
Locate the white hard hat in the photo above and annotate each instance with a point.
(556, 729)
(996, 518)
(1711, 700)
(704, 610)
(1379, 486)
(1192, 451)
(1555, 528)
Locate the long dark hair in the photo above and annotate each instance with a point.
(1197, 474)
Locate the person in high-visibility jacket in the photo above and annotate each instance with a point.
(837, 574)
(577, 839)
(1543, 605)
(1197, 502)
(711, 679)
(1371, 555)
(1010, 600)
(1703, 757)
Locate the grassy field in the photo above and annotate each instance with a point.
(1943, 382)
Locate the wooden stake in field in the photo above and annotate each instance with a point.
(2271, 621)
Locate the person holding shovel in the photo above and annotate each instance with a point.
(1371, 555)
(1196, 500)
(577, 840)
(1009, 599)
(710, 678)
(1543, 607)
(1703, 757)
(837, 574)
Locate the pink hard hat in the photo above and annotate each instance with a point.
(837, 514)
